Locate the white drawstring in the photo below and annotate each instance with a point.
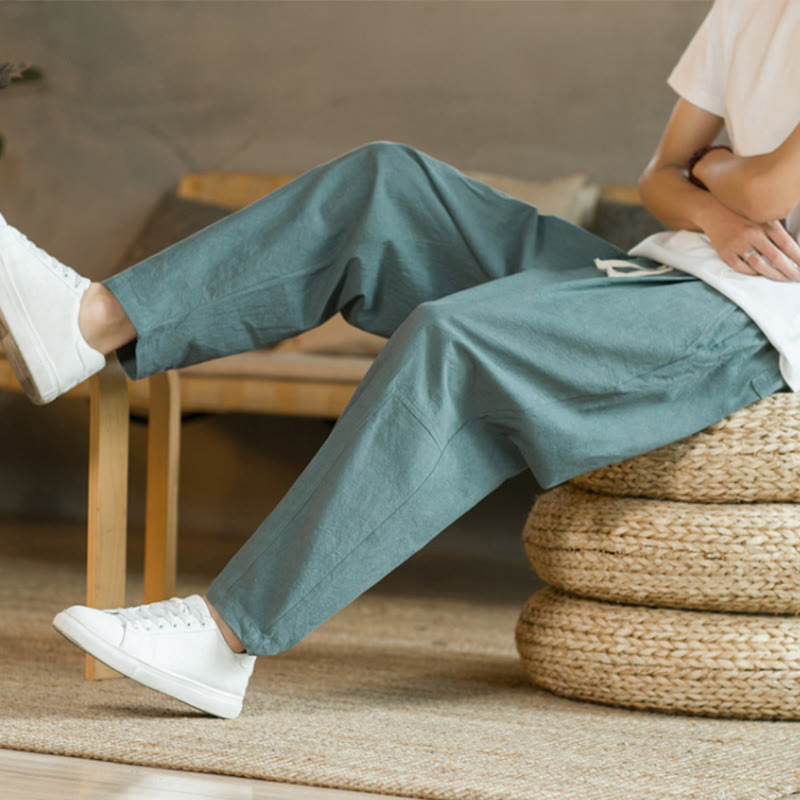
(610, 265)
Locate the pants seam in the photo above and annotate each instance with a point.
(322, 478)
(359, 544)
(417, 414)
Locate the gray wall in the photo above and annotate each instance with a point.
(139, 92)
(136, 93)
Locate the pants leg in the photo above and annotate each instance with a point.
(377, 234)
(372, 234)
(384, 483)
(557, 371)
(507, 350)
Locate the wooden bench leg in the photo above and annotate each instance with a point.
(163, 459)
(108, 496)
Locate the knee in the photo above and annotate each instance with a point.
(434, 323)
(458, 334)
(445, 367)
(381, 158)
(383, 150)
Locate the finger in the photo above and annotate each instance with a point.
(752, 262)
(738, 264)
(784, 240)
(777, 259)
(762, 266)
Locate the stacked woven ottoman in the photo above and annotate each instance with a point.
(674, 577)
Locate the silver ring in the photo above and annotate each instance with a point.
(749, 253)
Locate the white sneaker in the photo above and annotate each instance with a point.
(39, 303)
(173, 646)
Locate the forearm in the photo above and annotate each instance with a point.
(674, 201)
(746, 245)
(763, 187)
(743, 184)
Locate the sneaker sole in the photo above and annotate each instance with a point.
(39, 392)
(203, 698)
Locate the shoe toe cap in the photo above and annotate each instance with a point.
(77, 622)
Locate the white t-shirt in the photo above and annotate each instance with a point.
(743, 64)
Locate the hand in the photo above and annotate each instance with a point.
(754, 248)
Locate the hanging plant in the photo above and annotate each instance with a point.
(16, 73)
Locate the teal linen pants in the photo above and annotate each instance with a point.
(508, 350)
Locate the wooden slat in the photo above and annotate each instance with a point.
(108, 496)
(138, 391)
(238, 189)
(256, 395)
(613, 193)
(8, 381)
(313, 395)
(283, 366)
(230, 189)
(163, 459)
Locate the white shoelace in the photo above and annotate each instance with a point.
(69, 275)
(174, 613)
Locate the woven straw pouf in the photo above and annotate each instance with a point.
(751, 456)
(692, 662)
(676, 574)
(714, 556)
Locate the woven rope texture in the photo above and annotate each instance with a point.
(720, 665)
(721, 557)
(751, 456)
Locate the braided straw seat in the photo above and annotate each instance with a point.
(751, 455)
(723, 557)
(693, 662)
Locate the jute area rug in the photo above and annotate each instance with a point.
(415, 689)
